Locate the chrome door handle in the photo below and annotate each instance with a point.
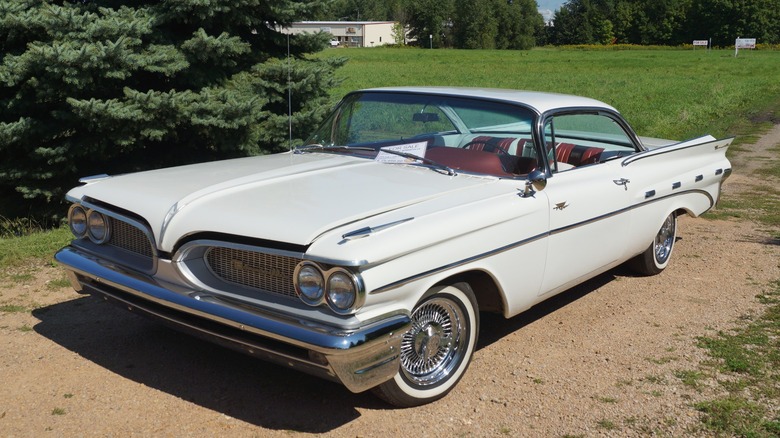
(622, 182)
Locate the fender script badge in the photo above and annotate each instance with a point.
(560, 206)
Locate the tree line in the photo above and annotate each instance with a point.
(516, 24)
(666, 22)
(463, 24)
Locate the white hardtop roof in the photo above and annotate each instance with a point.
(540, 101)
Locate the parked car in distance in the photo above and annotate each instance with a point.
(366, 255)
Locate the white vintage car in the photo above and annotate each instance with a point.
(367, 255)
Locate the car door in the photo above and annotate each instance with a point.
(589, 192)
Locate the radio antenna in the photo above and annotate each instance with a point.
(289, 91)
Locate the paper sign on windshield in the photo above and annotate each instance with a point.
(417, 149)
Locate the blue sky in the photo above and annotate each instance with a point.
(550, 4)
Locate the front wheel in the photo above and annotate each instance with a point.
(436, 351)
(656, 257)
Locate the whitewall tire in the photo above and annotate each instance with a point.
(437, 350)
(657, 255)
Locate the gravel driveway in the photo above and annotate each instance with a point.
(597, 360)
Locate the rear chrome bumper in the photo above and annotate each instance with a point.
(359, 358)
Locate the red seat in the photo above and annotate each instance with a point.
(484, 142)
(478, 143)
(577, 155)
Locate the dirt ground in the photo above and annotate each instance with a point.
(599, 360)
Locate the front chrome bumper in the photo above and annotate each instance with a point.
(358, 358)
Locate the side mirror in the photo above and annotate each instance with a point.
(536, 182)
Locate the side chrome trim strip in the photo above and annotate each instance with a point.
(514, 245)
(458, 263)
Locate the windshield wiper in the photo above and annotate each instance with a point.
(336, 149)
(427, 161)
(320, 148)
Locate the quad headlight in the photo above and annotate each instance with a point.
(98, 227)
(342, 291)
(310, 285)
(339, 288)
(77, 220)
(89, 223)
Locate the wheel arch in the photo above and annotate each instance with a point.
(681, 211)
(489, 295)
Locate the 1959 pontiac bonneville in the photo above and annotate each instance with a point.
(366, 255)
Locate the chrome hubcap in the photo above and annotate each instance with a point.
(664, 240)
(434, 345)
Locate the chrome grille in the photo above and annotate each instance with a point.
(271, 273)
(130, 238)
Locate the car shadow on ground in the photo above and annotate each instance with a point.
(207, 375)
(225, 381)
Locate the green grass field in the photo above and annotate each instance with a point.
(663, 93)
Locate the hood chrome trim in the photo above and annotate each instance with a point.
(94, 178)
(367, 231)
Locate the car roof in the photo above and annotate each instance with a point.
(540, 101)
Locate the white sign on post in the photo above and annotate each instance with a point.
(744, 43)
(700, 42)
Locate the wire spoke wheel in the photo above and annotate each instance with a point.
(664, 240)
(436, 342)
(437, 349)
(657, 255)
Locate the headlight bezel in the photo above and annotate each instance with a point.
(91, 229)
(308, 298)
(78, 209)
(328, 274)
(348, 279)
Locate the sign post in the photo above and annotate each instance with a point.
(704, 43)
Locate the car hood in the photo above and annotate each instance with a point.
(291, 198)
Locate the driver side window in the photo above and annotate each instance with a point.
(576, 140)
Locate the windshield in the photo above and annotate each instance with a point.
(472, 135)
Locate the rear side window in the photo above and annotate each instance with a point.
(576, 140)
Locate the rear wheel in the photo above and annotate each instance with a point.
(436, 351)
(656, 257)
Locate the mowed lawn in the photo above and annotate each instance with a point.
(670, 93)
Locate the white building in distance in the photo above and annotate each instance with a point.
(349, 33)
